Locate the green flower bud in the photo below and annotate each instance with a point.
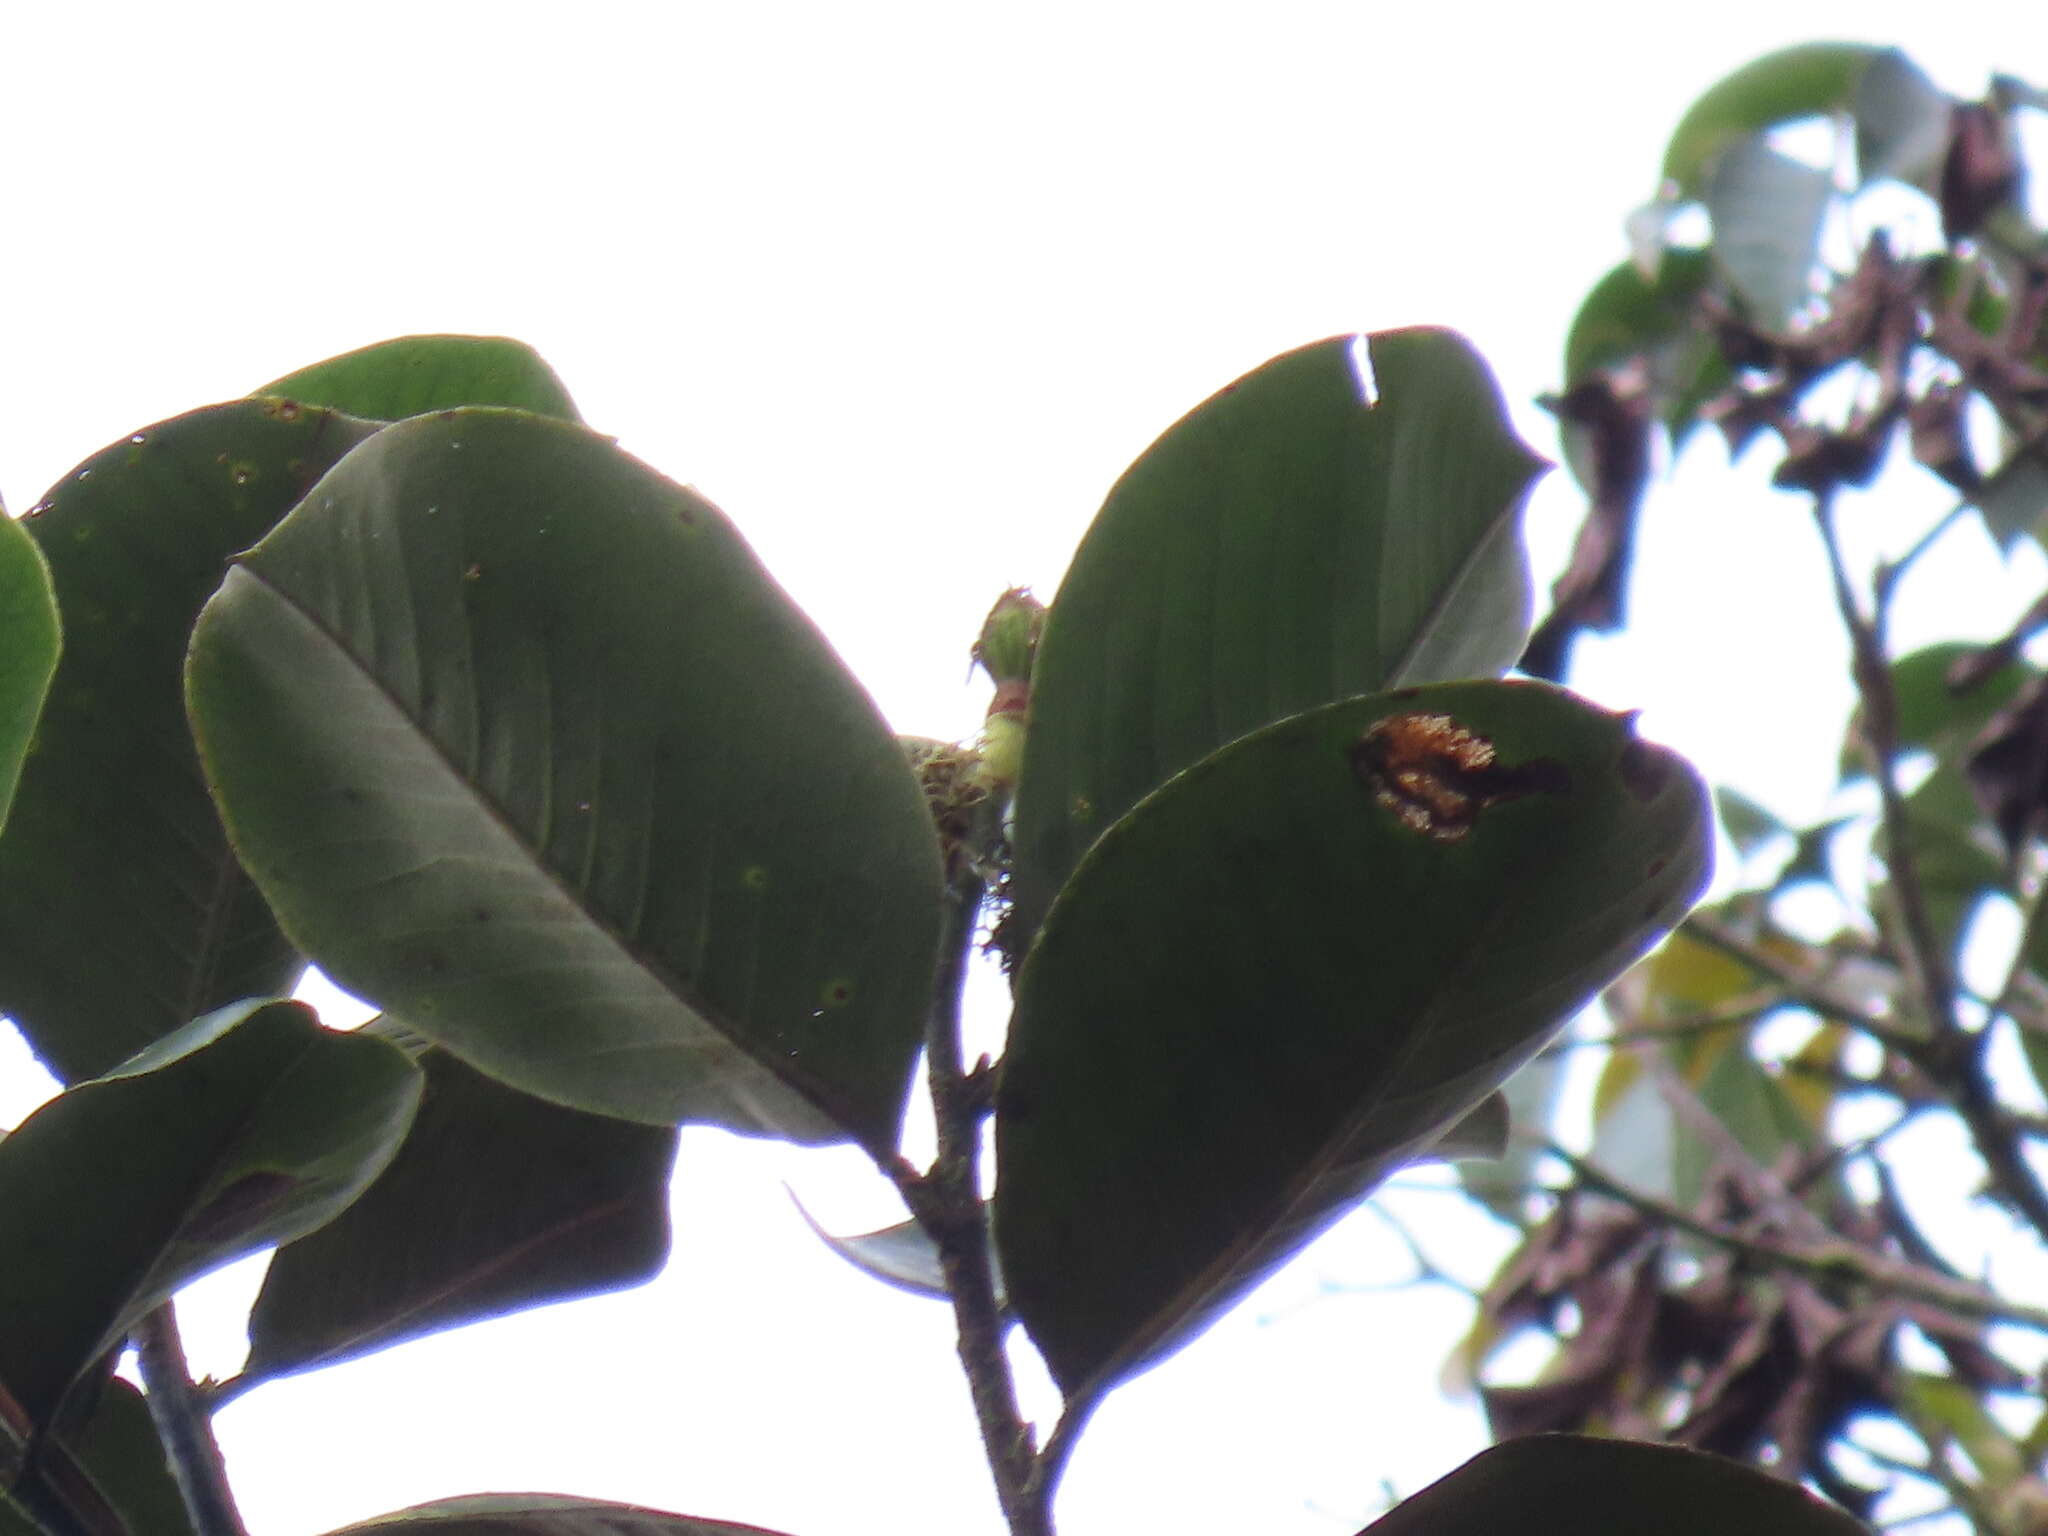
(1009, 636)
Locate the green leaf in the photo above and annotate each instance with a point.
(496, 1202)
(1626, 315)
(902, 1255)
(101, 1469)
(125, 911)
(28, 649)
(1295, 965)
(1481, 1134)
(1956, 853)
(1749, 824)
(1902, 123)
(2014, 497)
(1930, 715)
(1592, 1486)
(540, 1514)
(1655, 322)
(1284, 544)
(1942, 1406)
(1810, 80)
(1767, 210)
(245, 1128)
(1529, 1099)
(412, 375)
(523, 744)
(118, 1455)
(1754, 1108)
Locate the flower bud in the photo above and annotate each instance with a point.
(1009, 637)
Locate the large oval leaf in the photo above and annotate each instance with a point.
(411, 375)
(1294, 965)
(247, 1127)
(125, 912)
(28, 649)
(540, 1514)
(497, 1201)
(1590, 1486)
(1294, 539)
(523, 744)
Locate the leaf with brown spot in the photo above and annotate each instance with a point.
(1268, 985)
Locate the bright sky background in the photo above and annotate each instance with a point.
(903, 288)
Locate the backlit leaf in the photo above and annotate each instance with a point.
(1295, 965)
(524, 745)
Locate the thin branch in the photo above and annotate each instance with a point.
(1898, 568)
(1952, 1058)
(1800, 987)
(183, 1425)
(1926, 961)
(1059, 1447)
(946, 1200)
(1999, 1142)
(1833, 1261)
(1736, 1012)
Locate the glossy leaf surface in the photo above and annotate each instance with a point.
(247, 1127)
(125, 910)
(1286, 543)
(497, 1201)
(540, 1514)
(1279, 977)
(413, 374)
(1590, 1486)
(28, 649)
(523, 745)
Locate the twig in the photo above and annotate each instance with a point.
(1052, 1461)
(1735, 1013)
(946, 1201)
(1800, 990)
(182, 1423)
(1952, 1058)
(1833, 1261)
(1927, 964)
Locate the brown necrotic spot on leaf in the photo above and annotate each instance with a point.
(1437, 776)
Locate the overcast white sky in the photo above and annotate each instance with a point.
(903, 288)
